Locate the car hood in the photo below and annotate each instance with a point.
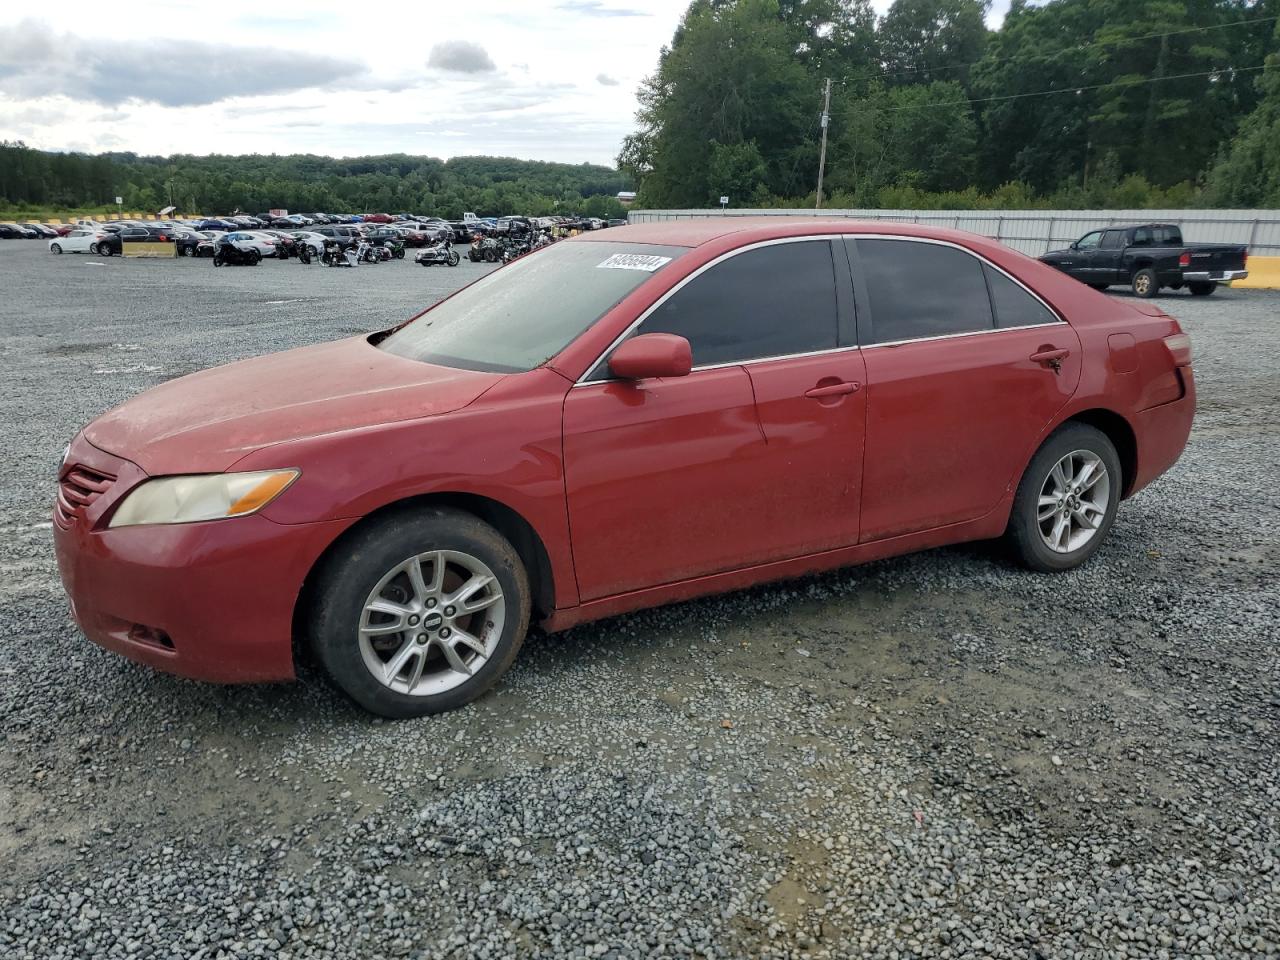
(207, 421)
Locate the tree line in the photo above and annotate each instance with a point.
(1070, 103)
(489, 186)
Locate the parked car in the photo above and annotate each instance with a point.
(415, 234)
(116, 235)
(407, 503)
(187, 242)
(14, 231)
(246, 239)
(78, 241)
(377, 218)
(216, 224)
(41, 231)
(344, 235)
(313, 240)
(1149, 256)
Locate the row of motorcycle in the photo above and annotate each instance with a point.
(484, 249)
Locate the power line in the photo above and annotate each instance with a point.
(1060, 53)
(1081, 89)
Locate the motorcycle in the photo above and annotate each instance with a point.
(334, 255)
(486, 249)
(391, 249)
(512, 248)
(228, 253)
(440, 252)
(366, 253)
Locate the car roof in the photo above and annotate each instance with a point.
(696, 232)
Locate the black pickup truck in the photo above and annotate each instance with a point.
(1150, 256)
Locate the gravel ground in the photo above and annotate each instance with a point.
(935, 756)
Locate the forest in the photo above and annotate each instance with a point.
(38, 180)
(1069, 104)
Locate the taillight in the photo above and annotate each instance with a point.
(1245, 260)
(1179, 346)
(1185, 259)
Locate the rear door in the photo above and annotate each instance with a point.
(965, 368)
(754, 456)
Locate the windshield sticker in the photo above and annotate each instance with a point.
(633, 261)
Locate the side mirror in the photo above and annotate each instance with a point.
(1075, 244)
(652, 355)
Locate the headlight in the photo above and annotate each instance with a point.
(205, 497)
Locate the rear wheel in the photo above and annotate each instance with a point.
(1202, 288)
(254, 258)
(1067, 499)
(93, 248)
(1145, 284)
(419, 612)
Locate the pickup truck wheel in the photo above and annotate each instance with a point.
(1202, 288)
(1145, 284)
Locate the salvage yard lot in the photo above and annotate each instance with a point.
(934, 756)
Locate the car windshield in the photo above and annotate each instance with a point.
(524, 314)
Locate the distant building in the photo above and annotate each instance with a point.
(627, 197)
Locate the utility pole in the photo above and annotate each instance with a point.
(822, 157)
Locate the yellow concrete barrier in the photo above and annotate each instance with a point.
(1264, 274)
(147, 248)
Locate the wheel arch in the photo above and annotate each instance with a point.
(511, 524)
(1141, 263)
(1121, 434)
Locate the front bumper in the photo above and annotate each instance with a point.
(210, 601)
(1217, 276)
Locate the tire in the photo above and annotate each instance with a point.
(1145, 284)
(106, 250)
(1202, 288)
(491, 256)
(254, 258)
(55, 247)
(370, 565)
(93, 249)
(398, 253)
(454, 259)
(1028, 534)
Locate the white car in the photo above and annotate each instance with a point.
(313, 240)
(77, 241)
(264, 243)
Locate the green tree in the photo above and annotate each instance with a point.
(926, 40)
(1248, 172)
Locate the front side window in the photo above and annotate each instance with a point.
(1089, 240)
(919, 290)
(772, 301)
(522, 315)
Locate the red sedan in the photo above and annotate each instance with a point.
(606, 424)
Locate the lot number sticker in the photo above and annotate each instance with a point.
(633, 261)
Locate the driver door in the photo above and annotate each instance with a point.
(755, 456)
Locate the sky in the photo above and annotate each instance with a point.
(535, 79)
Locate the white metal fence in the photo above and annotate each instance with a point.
(1036, 231)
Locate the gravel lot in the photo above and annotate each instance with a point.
(936, 756)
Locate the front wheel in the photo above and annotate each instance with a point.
(217, 260)
(254, 258)
(419, 612)
(1145, 284)
(454, 259)
(106, 250)
(1067, 499)
(55, 247)
(1203, 288)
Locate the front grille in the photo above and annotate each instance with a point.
(76, 491)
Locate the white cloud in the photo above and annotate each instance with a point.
(460, 56)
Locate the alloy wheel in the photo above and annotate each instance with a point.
(1073, 501)
(431, 622)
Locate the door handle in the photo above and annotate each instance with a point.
(832, 390)
(1051, 357)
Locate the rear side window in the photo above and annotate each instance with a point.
(918, 290)
(1013, 306)
(1142, 237)
(772, 301)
